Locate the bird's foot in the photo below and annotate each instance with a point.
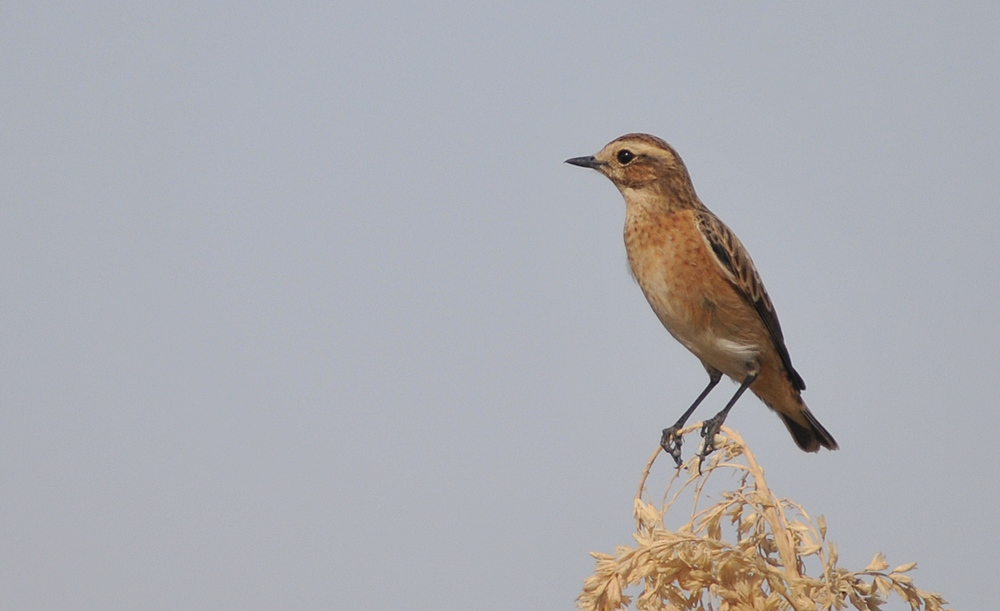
(671, 443)
(709, 429)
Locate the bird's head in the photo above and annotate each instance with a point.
(640, 166)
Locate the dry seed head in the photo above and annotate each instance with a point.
(748, 551)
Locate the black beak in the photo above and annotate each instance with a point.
(585, 162)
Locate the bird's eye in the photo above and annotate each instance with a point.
(625, 156)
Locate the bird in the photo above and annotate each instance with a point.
(702, 285)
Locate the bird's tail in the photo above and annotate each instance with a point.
(808, 433)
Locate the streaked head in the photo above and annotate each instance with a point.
(643, 163)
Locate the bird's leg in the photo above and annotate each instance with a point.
(670, 441)
(710, 427)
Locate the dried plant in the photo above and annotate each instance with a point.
(750, 550)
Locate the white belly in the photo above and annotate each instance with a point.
(727, 354)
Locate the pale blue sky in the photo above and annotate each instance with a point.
(302, 308)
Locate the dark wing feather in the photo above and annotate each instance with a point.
(742, 273)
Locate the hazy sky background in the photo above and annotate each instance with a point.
(302, 310)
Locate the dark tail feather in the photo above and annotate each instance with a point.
(811, 435)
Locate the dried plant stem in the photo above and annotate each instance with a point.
(758, 565)
(779, 527)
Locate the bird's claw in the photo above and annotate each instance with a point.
(671, 443)
(709, 429)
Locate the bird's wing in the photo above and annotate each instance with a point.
(736, 262)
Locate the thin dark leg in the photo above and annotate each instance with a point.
(710, 427)
(670, 442)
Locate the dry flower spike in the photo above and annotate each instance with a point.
(749, 551)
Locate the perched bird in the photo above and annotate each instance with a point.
(703, 287)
